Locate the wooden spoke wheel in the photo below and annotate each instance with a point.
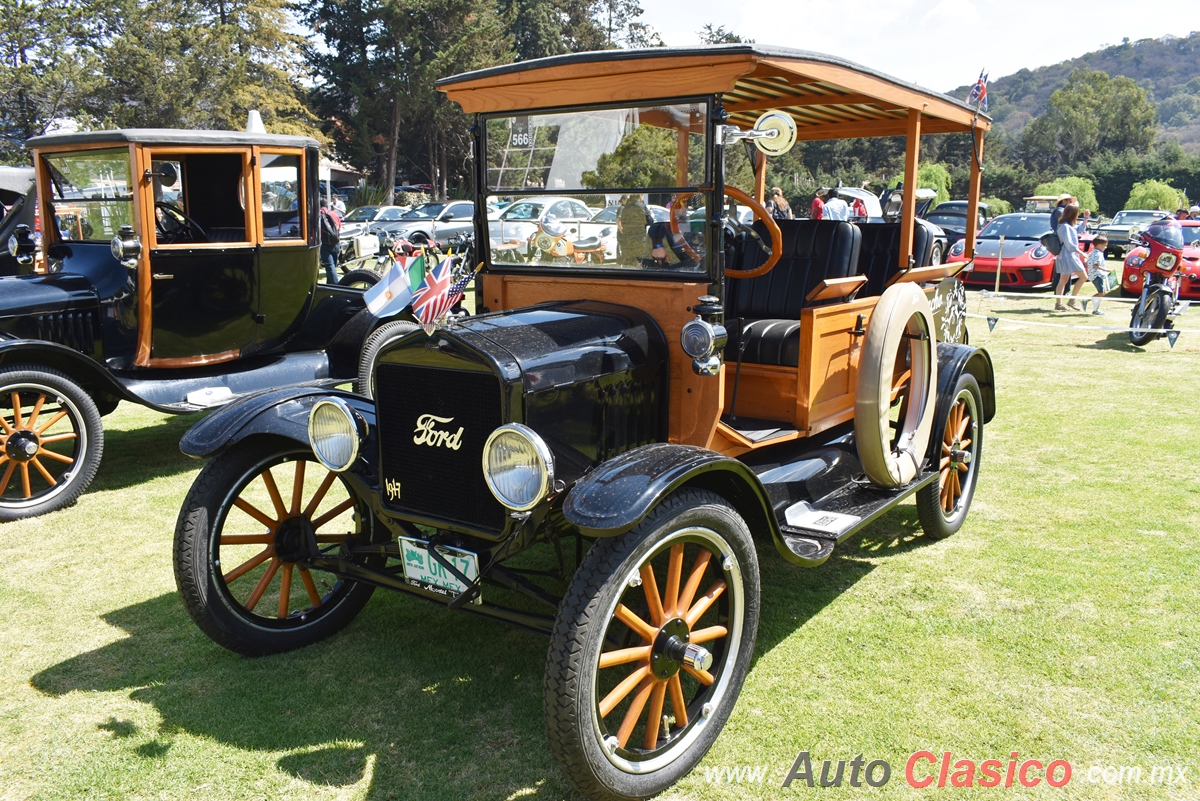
(651, 647)
(250, 523)
(942, 505)
(51, 441)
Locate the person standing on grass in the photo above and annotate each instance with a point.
(835, 207)
(777, 205)
(1068, 264)
(1057, 212)
(817, 210)
(1097, 270)
(330, 229)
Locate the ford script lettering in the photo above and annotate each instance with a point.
(427, 433)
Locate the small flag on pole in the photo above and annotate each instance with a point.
(992, 323)
(1172, 336)
(394, 292)
(978, 96)
(432, 299)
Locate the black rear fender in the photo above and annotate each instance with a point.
(617, 495)
(276, 413)
(953, 361)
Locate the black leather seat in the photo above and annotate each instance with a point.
(770, 305)
(879, 259)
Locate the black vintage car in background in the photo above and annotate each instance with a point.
(17, 204)
(181, 273)
(595, 453)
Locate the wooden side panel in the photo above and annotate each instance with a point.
(829, 353)
(764, 391)
(695, 401)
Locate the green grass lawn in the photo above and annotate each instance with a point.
(1060, 623)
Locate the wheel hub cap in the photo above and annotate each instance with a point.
(672, 650)
(295, 539)
(22, 446)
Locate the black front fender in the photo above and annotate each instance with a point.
(278, 412)
(953, 361)
(617, 495)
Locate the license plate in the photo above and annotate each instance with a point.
(420, 569)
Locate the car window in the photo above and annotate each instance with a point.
(1017, 226)
(390, 214)
(282, 196)
(425, 210)
(563, 210)
(522, 211)
(91, 193)
(461, 211)
(362, 214)
(606, 215)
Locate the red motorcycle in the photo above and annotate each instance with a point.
(1155, 309)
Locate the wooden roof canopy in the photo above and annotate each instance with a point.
(829, 98)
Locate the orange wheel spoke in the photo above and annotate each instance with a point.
(310, 587)
(57, 416)
(285, 589)
(320, 496)
(702, 676)
(653, 599)
(674, 575)
(962, 468)
(42, 469)
(945, 476)
(59, 437)
(693, 582)
(624, 656)
(702, 605)
(946, 449)
(16, 398)
(332, 513)
(7, 475)
(709, 634)
(655, 717)
(675, 687)
(8, 429)
(58, 457)
(37, 409)
(262, 585)
(273, 490)
(635, 712)
(25, 480)
(962, 427)
(623, 689)
(298, 487)
(639, 626)
(944, 463)
(248, 565)
(964, 444)
(245, 539)
(254, 512)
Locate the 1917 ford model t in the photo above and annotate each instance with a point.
(607, 405)
(181, 274)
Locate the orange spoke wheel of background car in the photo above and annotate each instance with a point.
(648, 685)
(270, 527)
(41, 436)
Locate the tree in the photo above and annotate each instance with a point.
(1079, 188)
(645, 157)
(1151, 194)
(997, 205)
(1090, 114)
(718, 35)
(931, 175)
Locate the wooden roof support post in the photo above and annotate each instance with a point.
(973, 193)
(760, 178)
(912, 157)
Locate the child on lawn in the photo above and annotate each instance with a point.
(1097, 270)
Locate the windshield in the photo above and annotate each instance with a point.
(952, 220)
(1017, 226)
(424, 210)
(91, 193)
(592, 185)
(1136, 217)
(362, 214)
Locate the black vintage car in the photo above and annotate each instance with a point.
(181, 274)
(594, 454)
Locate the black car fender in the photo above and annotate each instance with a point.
(953, 361)
(277, 412)
(80, 368)
(616, 495)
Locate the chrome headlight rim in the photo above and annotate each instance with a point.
(701, 332)
(354, 431)
(546, 481)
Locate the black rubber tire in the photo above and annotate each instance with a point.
(936, 255)
(375, 341)
(937, 522)
(360, 279)
(574, 724)
(1154, 316)
(418, 239)
(216, 608)
(83, 419)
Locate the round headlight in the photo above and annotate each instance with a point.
(518, 467)
(333, 434)
(958, 247)
(701, 339)
(1166, 261)
(1039, 252)
(117, 248)
(13, 246)
(1133, 278)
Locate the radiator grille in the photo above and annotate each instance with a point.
(436, 480)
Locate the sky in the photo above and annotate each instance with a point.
(938, 45)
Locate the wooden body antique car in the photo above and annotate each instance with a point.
(716, 384)
(181, 273)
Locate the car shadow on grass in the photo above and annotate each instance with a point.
(411, 699)
(1117, 340)
(133, 456)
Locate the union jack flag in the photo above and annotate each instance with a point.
(432, 299)
(978, 94)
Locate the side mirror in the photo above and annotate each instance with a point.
(164, 171)
(1135, 235)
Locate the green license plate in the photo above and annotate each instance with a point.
(420, 570)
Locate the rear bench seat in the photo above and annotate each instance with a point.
(770, 304)
(879, 259)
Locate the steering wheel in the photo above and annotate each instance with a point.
(773, 252)
(185, 229)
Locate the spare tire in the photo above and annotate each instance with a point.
(896, 369)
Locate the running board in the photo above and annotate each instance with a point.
(811, 531)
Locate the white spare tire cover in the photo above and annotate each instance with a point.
(902, 310)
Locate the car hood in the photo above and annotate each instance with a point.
(22, 296)
(990, 248)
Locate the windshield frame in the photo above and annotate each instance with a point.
(713, 180)
(1023, 238)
